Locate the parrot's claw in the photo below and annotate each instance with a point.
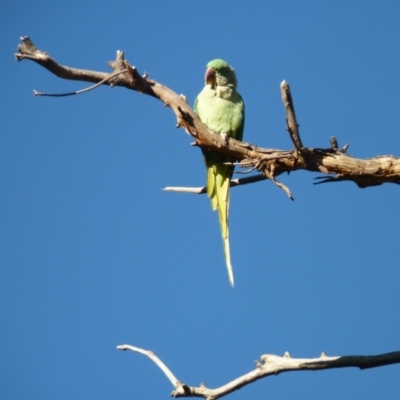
(225, 136)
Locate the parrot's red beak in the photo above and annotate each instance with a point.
(210, 76)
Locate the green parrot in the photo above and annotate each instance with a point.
(220, 107)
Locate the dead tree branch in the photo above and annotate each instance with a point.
(291, 122)
(270, 365)
(234, 182)
(270, 162)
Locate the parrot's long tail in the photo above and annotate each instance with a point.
(218, 187)
(228, 260)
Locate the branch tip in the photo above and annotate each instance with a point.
(291, 122)
(175, 382)
(334, 143)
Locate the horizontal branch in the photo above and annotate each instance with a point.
(270, 365)
(270, 162)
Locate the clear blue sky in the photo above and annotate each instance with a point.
(93, 253)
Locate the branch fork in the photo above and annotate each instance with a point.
(271, 365)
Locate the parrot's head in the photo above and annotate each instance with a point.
(220, 73)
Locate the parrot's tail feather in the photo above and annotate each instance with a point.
(218, 181)
(228, 260)
(211, 187)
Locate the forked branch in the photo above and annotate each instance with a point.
(270, 162)
(269, 365)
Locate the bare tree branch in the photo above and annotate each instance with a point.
(270, 365)
(179, 387)
(291, 122)
(270, 162)
(203, 189)
(36, 93)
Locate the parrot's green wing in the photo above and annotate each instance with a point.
(221, 108)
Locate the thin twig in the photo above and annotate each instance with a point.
(245, 172)
(184, 189)
(36, 93)
(284, 188)
(175, 382)
(202, 189)
(280, 185)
